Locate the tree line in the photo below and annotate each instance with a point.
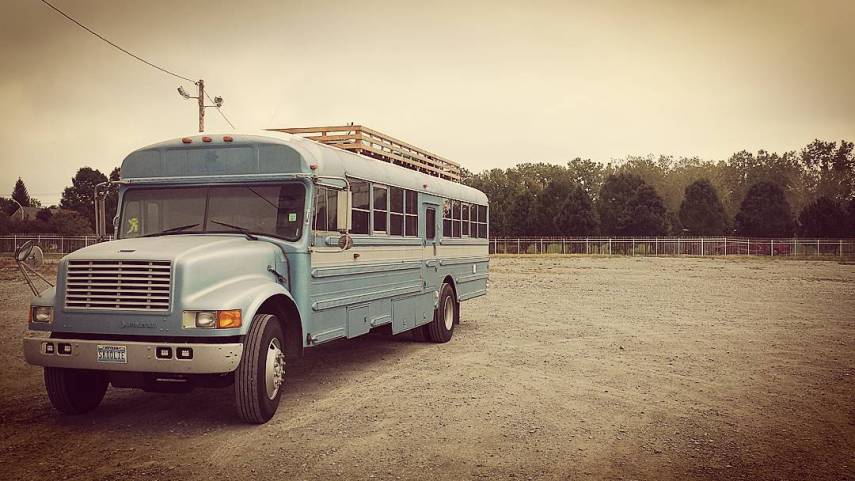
(75, 214)
(807, 193)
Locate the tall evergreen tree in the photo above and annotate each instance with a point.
(702, 212)
(20, 193)
(628, 206)
(765, 212)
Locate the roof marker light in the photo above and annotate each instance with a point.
(227, 138)
(186, 140)
(206, 139)
(313, 166)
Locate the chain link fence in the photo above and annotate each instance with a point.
(50, 244)
(674, 246)
(624, 246)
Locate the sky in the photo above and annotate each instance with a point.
(487, 84)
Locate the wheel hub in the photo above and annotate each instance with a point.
(448, 315)
(275, 369)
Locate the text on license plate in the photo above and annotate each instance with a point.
(112, 353)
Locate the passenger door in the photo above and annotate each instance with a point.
(430, 234)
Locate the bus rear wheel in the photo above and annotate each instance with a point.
(260, 376)
(441, 328)
(75, 391)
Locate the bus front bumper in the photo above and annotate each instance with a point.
(189, 358)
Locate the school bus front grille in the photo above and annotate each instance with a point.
(118, 284)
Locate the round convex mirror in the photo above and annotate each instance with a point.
(345, 242)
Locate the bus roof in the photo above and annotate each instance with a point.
(267, 153)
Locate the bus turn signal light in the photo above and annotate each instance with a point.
(228, 319)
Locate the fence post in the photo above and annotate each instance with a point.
(633, 246)
(16, 244)
(772, 247)
(817, 247)
(563, 244)
(702, 246)
(841, 247)
(656, 248)
(587, 250)
(62, 245)
(610, 246)
(749, 246)
(725, 246)
(518, 245)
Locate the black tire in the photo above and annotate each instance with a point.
(254, 405)
(75, 391)
(438, 329)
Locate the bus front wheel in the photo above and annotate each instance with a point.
(441, 328)
(260, 376)
(75, 391)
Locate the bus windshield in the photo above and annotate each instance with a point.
(275, 210)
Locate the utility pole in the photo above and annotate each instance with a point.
(200, 98)
(201, 85)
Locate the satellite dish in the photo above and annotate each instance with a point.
(24, 251)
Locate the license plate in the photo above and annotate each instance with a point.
(112, 353)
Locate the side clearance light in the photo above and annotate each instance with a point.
(206, 139)
(186, 140)
(227, 138)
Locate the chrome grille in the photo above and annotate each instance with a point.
(118, 284)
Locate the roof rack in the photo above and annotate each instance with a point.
(374, 144)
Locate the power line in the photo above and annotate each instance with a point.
(84, 27)
(116, 46)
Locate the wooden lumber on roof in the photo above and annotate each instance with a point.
(377, 145)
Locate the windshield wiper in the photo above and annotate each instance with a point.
(242, 230)
(173, 230)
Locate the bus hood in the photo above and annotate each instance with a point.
(167, 247)
(203, 272)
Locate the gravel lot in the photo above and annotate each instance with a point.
(571, 368)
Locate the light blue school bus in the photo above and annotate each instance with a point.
(235, 253)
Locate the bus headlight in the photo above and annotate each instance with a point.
(211, 319)
(206, 319)
(42, 313)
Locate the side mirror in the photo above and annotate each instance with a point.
(24, 251)
(344, 201)
(345, 242)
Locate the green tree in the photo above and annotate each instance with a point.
(830, 169)
(566, 209)
(5, 224)
(80, 196)
(850, 219)
(70, 223)
(7, 206)
(702, 212)
(20, 194)
(765, 212)
(629, 206)
(823, 218)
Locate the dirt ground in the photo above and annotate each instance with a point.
(570, 368)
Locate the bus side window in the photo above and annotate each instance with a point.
(430, 223)
(361, 213)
